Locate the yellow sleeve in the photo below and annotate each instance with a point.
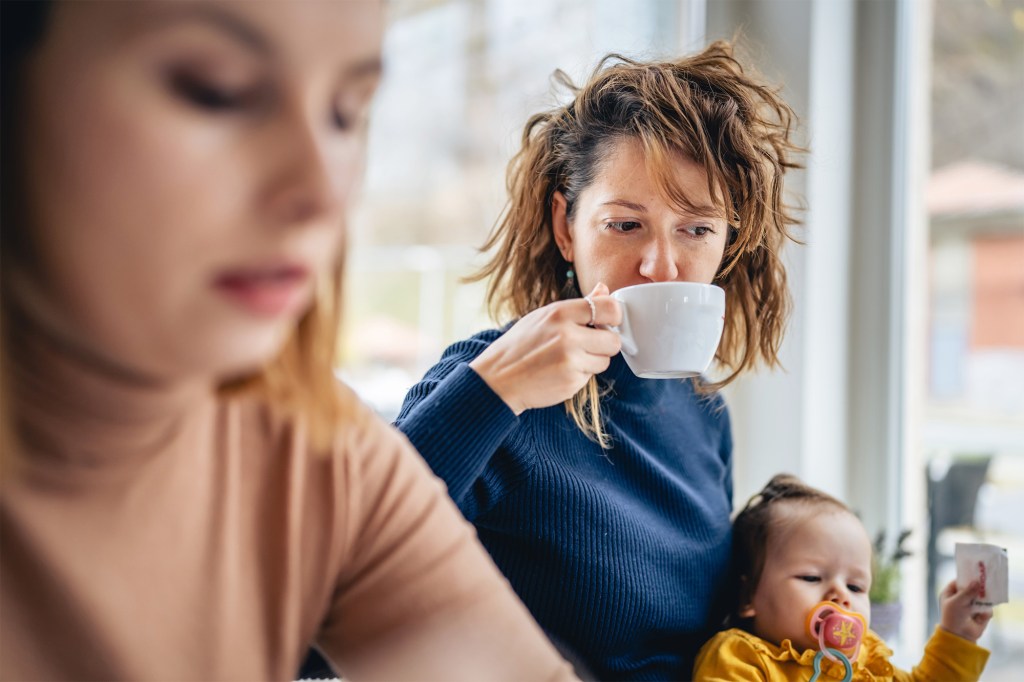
(947, 657)
(729, 656)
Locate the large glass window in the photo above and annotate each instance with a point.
(972, 441)
(464, 75)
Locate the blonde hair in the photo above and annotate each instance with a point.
(300, 381)
(705, 107)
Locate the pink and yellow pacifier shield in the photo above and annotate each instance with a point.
(836, 628)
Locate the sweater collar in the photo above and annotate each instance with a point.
(619, 373)
(629, 387)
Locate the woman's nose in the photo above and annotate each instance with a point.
(303, 186)
(658, 261)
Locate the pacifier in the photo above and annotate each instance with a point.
(837, 630)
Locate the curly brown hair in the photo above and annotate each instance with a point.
(705, 107)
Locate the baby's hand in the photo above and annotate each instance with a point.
(958, 616)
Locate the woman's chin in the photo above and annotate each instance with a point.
(245, 356)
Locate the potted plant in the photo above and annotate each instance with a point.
(886, 607)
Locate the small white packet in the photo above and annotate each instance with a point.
(988, 563)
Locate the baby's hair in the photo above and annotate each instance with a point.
(752, 527)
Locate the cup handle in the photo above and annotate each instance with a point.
(624, 332)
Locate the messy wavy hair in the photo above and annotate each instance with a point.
(706, 107)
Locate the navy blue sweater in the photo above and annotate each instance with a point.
(617, 553)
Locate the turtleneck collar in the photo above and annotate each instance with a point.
(627, 386)
(69, 409)
(619, 374)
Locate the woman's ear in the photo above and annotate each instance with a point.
(560, 225)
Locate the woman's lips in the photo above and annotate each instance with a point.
(266, 291)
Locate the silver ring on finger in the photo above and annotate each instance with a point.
(593, 310)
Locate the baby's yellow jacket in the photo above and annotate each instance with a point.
(738, 655)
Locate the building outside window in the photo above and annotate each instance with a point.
(972, 440)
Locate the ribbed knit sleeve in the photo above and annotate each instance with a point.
(455, 420)
(725, 448)
(618, 552)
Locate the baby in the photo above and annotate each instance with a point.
(802, 562)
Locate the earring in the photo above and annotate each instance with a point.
(569, 290)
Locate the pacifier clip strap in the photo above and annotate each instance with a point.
(837, 655)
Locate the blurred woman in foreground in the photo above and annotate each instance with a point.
(187, 494)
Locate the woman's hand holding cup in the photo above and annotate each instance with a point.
(551, 353)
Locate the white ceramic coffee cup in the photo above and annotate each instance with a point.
(670, 329)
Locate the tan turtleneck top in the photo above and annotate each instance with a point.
(152, 533)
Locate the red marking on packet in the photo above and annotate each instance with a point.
(985, 566)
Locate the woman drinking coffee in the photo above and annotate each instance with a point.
(605, 497)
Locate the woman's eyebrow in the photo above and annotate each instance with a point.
(698, 211)
(235, 27)
(365, 69)
(251, 38)
(631, 205)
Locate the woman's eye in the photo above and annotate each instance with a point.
(700, 230)
(351, 107)
(348, 120)
(624, 225)
(342, 121)
(207, 95)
